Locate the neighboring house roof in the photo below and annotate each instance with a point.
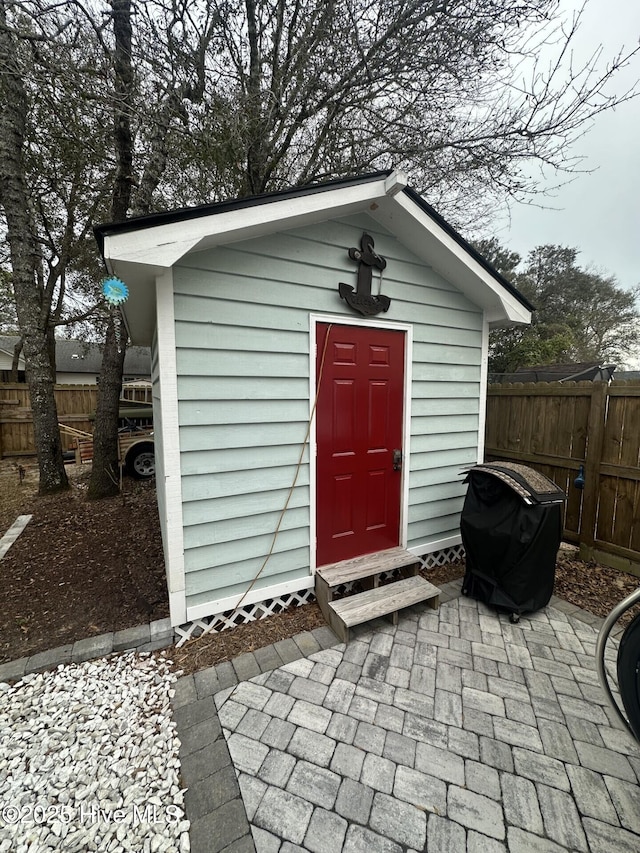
(591, 371)
(141, 248)
(83, 357)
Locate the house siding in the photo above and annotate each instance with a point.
(242, 333)
(158, 438)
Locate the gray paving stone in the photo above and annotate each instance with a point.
(381, 644)
(354, 801)
(477, 843)
(279, 705)
(287, 650)
(342, 728)
(13, 670)
(284, 814)
(541, 768)
(370, 737)
(253, 724)
(422, 790)
(520, 841)
(356, 652)
(359, 839)
(426, 730)
(591, 794)
(496, 754)
(378, 773)
(267, 658)
(397, 677)
(205, 761)
(307, 643)
(478, 722)
(414, 703)
(377, 691)
(463, 743)
(402, 822)
(131, 638)
(520, 803)
(279, 680)
(326, 832)
(278, 733)
(440, 763)
(561, 818)
(517, 733)
(246, 753)
(349, 671)
(252, 695)
(92, 647)
(605, 761)
(265, 842)
(199, 736)
(482, 779)
(422, 679)
(323, 673)
(475, 812)
(310, 691)
(276, 768)
(348, 760)
(626, 799)
(310, 716)
(400, 749)
(230, 713)
(401, 657)
(363, 709)
(312, 746)
(211, 792)
(217, 830)
(246, 666)
(557, 741)
(315, 784)
(389, 718)
(193, 713)
(325, 637)
(253, 790)
(604, 838)
(339, 695)
(242, 845)
(206, 682)
(478, 700)
(445, 836)
(375, 666)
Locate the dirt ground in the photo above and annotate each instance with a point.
(83, 568)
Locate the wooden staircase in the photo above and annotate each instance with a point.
(376, 600)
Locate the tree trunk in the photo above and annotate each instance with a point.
(31, 302)
(105, 474)
(104, 481)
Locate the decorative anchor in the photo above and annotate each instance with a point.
(362, 300)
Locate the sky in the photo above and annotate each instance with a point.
(597, 213)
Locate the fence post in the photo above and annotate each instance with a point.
(595, 443)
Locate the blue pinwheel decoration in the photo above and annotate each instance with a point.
(115, 291)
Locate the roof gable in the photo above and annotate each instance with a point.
(139, 249)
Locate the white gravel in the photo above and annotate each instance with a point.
(89, 760)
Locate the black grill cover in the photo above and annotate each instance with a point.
(511, 528)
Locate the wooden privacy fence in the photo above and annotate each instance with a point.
(76, 405)
(558, 427)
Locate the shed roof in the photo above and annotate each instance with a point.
(140, 248)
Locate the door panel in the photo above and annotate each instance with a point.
(359, 423)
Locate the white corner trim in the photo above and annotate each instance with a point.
(168, 382)
(484, 378)
(396, 182)
(223, 605)
(435, 545)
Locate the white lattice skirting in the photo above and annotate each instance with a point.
(261, 609)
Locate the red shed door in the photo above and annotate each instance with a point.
(359, 420)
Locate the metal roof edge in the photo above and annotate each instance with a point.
(183, 214)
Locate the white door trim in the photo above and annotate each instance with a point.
(340, 320)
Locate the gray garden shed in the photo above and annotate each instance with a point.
(319, 366)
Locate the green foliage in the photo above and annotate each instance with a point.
(580, 315)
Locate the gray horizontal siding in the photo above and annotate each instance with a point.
(242, 335)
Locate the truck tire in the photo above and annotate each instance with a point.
(140, 461)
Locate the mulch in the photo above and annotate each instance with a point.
(82, 568)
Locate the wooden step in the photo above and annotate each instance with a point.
(366, 566)
(381, 601)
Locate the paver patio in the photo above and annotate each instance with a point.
(454, 731)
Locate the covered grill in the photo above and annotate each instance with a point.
(511, 528)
